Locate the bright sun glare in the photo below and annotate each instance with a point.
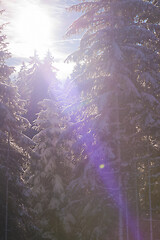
(33, 28)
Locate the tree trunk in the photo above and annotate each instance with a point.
(150, 202)
(127, 229)
(137, 205)
(6, 205)
(119, 177)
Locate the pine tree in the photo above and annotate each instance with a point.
(49, 171)
(118, 91)
(33, 81)
(14, 145)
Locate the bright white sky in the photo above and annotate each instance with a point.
(39, 25)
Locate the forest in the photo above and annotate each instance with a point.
(81, 160)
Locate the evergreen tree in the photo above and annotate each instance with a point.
(33, 81)
(49, 171)
(15, 222)
(117, 118)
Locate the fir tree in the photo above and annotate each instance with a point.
(119, 95)
(49, 171)
(33, 81)
(15, 222)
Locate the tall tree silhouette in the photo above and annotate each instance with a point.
(15, 222)
(117, 113)
(34, 81)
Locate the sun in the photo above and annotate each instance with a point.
(33, 28)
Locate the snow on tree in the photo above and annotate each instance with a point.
(15, 222)
(33, 81)
(49, 171)
(117, 109)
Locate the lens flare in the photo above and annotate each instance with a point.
(101, 166)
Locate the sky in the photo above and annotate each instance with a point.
(40, 25)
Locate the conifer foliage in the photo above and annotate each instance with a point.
(49, 171)
(14, 220)
(119, 91)
(91, 170)
(33, 82)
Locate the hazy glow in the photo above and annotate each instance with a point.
(64, 69)
(33, 28)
